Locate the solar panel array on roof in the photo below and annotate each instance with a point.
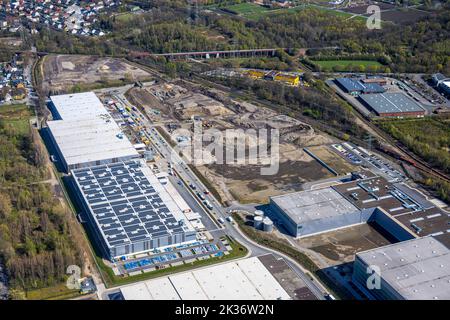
(130, 207)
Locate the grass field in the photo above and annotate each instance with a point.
(249, 10)
(58, 292)
(16, 116)
(346, 63)
(254, 11)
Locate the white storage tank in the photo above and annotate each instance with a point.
(259, 213)
(258, 222)
(267, 225)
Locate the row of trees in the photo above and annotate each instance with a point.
(36, 239)
(314, 102)
(430, 139)
(173, 26)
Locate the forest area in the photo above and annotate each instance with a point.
(37, 242)
(174, 26)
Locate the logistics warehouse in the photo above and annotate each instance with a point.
(128, 207)
(395, 207)
(84, 133)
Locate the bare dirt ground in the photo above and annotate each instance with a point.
(247, 185)
(62, 72)
(332, 159)
(215, 110)
(340, 246)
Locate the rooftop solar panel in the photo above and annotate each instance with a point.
(126, 205)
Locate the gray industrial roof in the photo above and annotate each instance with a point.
(418, 269)
(129, 203)
(84, 105)
(311, 205)
(391, 103)
(87, 132)
(355, 85)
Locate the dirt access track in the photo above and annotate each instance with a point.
(62, 72)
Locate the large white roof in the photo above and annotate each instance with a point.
(158, 289)
(310, 205)
(87, 132)
(417, 269)
(246, 279)
(84, 105)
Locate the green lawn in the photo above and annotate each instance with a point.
(17, 116)
(345, 63)
(254, 11)
(249, 10)
(58, 292)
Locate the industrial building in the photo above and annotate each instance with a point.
(438, 78)
(78, 106)
(356, 87)
(392, 105)
(417, 269)
(399, 210)
(273, 75)
(310, 212)
(247, 279)
(444, 87)
(84, 133)
(129, 208)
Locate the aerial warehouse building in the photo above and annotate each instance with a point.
(310, 212)
(392, 105)
(85, 134)
(129, 209)
(417, 269)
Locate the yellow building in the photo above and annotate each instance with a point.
(256, 74)
(289, 79)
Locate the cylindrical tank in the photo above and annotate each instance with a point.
(267, 225)
(259, 213)
(258, 222)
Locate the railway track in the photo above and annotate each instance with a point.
(400, 152)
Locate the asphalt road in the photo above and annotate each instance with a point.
(183, 171)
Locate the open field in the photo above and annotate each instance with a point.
(345, 64)
(58, 292)
(248, 10)
(247, 185)
(401, 16)
(71, 73)
(254, 12)
(216, 111)
(333, 160)
(16, 116)
(340, 246)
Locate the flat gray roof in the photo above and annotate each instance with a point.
(417, 269)
(391, 103)
(78, 105)
(129, 203)
(91, 140)
(304, 206)
(87, 132)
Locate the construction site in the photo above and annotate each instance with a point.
(176, 106)
(61, 73)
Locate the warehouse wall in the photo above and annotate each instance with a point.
(360, 276)
(384, 220)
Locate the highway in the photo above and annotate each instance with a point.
(218, 211)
